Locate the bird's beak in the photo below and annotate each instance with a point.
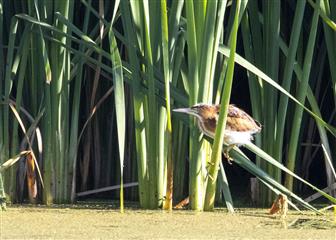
(183, 110)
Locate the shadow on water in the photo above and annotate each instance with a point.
(299, 223)
(305, 223)
(295, 220)
(83, 205)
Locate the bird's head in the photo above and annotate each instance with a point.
(201, 111)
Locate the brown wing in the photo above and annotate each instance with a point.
(240, 121)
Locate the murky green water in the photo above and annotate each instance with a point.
(102, 222)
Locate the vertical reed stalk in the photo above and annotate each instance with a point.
(220, 129)
(301, 96)
(168, 203)
(196, 192)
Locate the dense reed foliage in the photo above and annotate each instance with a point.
(88, 88)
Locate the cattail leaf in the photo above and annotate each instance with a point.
(221, 123)
(250, 67)
(119, 98)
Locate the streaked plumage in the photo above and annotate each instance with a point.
(239, 129)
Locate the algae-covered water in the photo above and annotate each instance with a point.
(73, 222)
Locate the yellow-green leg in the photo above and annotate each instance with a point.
(226, 153)
(207, 169)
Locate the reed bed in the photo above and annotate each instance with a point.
(88, 88)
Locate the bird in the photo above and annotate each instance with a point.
(239, 130)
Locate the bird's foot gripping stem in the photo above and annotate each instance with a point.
(226, 153)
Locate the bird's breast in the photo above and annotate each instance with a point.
(231, 136)
(237, 138)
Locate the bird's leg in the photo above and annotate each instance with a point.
(226, 153)
(209, 176)
(208, 164)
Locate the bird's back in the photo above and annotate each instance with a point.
(237, 120)
(240, 121)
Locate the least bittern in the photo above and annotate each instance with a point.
(239, 129)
